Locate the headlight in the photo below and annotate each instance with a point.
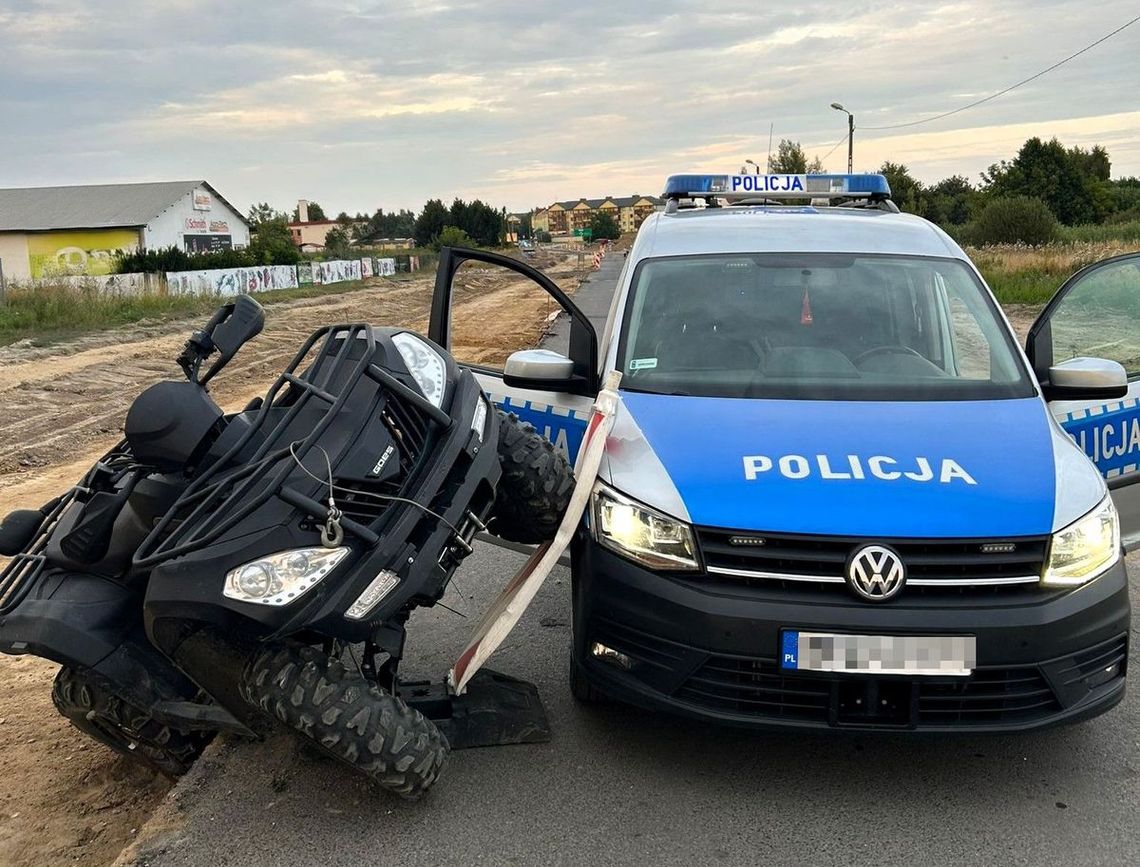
(279, 579)
(424, 364)
(1084, 549)
(640, 533)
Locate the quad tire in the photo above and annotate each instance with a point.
(348, 717)
(94, 709)
(535, 487)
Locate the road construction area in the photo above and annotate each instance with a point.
(613, 786)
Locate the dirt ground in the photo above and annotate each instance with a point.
(66, 799)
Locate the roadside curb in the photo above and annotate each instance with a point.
(162, 831)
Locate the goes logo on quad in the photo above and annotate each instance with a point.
(919, 469)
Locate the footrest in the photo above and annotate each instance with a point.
(496, 710)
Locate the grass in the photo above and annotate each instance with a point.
(51, 313)
(1020, 274)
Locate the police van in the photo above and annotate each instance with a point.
(837, 492)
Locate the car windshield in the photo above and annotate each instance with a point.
(817, 326)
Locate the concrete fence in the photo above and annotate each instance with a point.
(225, 282)
(232, 281)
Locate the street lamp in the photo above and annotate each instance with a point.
(753, 164)
(850, 134)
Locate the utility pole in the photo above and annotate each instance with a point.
(850, 136)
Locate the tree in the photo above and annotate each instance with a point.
(791, 160)
(950, 201)
(430, 222)
(603, 225)
(452, 236)
(316, 212)
(271, 242)
(906, 192)
(336, 241)
(1068, 181)
(262, 212)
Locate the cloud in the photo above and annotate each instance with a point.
(365, 103)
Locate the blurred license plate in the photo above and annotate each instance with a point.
(878, 654)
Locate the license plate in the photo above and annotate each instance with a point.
(878, 654)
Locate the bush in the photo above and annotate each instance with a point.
(1013, 220)
(452, 236)
(542, 237)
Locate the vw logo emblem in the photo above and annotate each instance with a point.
(876, 573)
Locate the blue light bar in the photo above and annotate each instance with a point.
(777, 186)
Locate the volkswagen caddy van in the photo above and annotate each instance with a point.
(838, 493)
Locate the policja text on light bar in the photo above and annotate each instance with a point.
(864, 186)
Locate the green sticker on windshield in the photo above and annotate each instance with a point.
(642, 363)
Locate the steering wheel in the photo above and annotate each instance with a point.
(887, 350)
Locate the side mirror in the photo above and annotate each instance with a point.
(540, 369)
(1086, 379)
(231, 326)
(243, 324)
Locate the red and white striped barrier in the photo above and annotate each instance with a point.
(506, 610)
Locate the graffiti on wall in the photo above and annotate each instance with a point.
(336, 271)
(231, 281)
(61, 254)
(385, 267)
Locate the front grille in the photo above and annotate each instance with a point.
(932, 565)
(652, 650)
(987, 696)
(367, 500)
(1100, 659)
(756, 687)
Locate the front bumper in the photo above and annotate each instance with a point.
(710, 651)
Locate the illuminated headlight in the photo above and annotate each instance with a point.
(424, 364)
(640, 533)
(281, 578)
(1084, 549)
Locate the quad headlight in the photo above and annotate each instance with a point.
(1084, 549)
(424, 364)
(279, 579)
(641, 533)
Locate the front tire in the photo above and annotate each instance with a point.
(94, 709)
(348, 717)
(535, 487)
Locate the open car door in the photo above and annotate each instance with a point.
(531, 348)
(1096, 315)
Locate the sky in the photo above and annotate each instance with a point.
(359, 104)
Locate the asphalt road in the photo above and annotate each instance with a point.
(619, 786)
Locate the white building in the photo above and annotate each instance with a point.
(52, 231)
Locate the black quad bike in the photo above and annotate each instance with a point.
(212, 570)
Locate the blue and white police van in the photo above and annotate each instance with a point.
(837, 492)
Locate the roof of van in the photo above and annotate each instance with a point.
(791, 229)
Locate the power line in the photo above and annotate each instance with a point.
(1008, 89)
(833, 147)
